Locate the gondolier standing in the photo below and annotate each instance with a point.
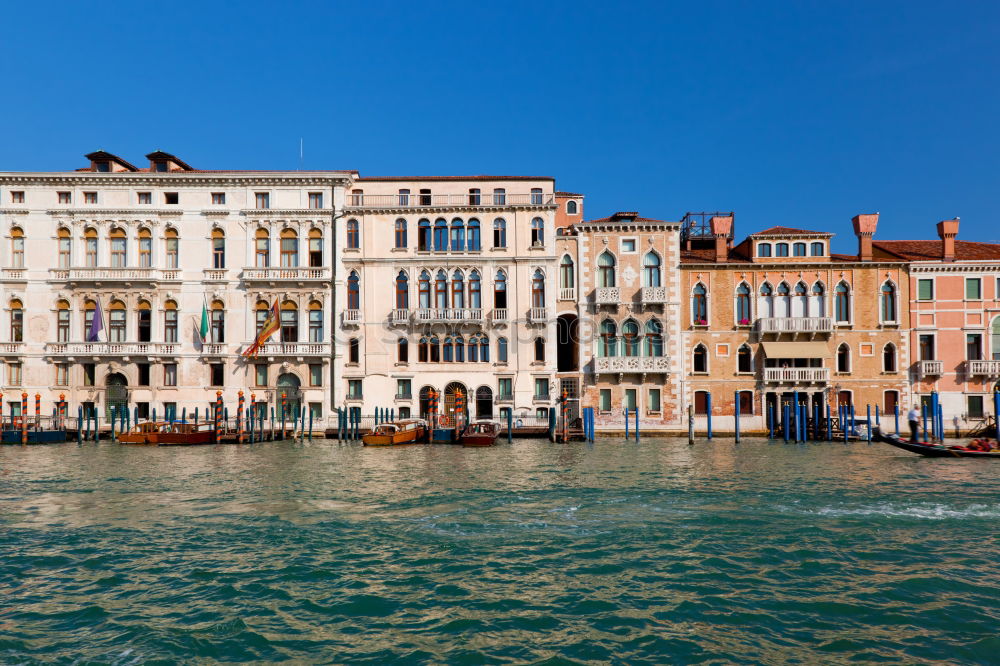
(913, 416)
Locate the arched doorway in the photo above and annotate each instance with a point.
(448, 408)
(484, 402)
(567, 345)
(425, 401)
(288, 385)
(115, 394)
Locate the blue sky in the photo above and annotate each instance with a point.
(801, 114)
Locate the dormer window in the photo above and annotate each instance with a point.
(799, 249)
(816, 250)
(161, 166)
(102, 166)
(781, 250)
(763, 249)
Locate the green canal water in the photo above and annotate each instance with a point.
(526, 553)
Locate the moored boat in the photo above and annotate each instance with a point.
(934, 450)
(397, 433)
(481, 433)
(34, 436)
(142, 433)
(186, 434)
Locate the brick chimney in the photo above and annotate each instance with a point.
(947, 232)
(864, 229)
(722, 229)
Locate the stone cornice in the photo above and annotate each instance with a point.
(189, 179)
(601, 227)
(103, 212)
(325, 213)
(419, 211)
(825, 265)
(991, 267)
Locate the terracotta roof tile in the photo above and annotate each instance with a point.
(789, 231)
(931, 250)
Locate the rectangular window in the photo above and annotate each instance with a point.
(403, 388)
(541, 388)
(62, 374)
(975, 407)
(926, 347)
(65, 197)
(353, 350)
(542, 414)
(404, 197)
(89, 373)
(354, 388)
(630, 399)
(217, 374)
(505, 388)
(404, 413)
(170, 374)
(17, 197)
(925, 290)
(260, 375)
(974, 347)
(145, 198)
(315, 374)
(262, 200)
(973, 289)
(218, 198)
(605, 400)
(628, 245)
(171, 198)
(143, 374)
(653, 405)
(315, 199)
(14, 374)
(90, 197)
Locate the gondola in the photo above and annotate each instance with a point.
(932, 450)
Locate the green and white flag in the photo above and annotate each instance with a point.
(203, 329)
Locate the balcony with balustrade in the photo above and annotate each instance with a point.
(286, 275)
(930, 368)
(118, 350)
(538, 315)
(796, 375)
(416, 202)
(213, 349)
(983, 368)
(633, 364)
(296, 350)
(607, 296)
(452, 315)
(567, 293)
(499, 316)
(351, 317)
(11, 348)
(399, 316)
(806, 326)
(653, 295)
(114, 276)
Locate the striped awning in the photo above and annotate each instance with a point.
(796, 349)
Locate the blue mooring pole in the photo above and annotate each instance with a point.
(736, 416)
(923, 412)
(770, 421)
(510, 426)
(784, 420)
(79, 424)
(626, 423)
(708, 409)
(637, 424)
(829, 424)
(869, 424)
(896, 412)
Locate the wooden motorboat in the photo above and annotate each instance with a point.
(142, 433)
(934, 450)
(481, 433)
(396, 434)
(179, 433)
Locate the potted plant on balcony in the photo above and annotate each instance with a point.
(744, 322)
(700, 322)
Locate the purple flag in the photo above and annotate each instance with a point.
(96, 325)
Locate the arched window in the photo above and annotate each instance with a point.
(699, 304)
(457, 289)
(700, 358)
(218, 248)
(499, 232)
(817, 304)
(474, 349)
(16, 248)
(501, 350)
(888, 302)
(218, 322)
(172, 245)
(500, 290)
(170, 321)
(537, 232)
(402, 291)
(538, 289)
(765, 302)
(315, 248)
(262, 311)
(744, 359)
(400, 233)
(62, 321)
(424, 235)
(539, 349)
(783, 302)
(475, 290)
(17, 320)
(842, 304)
(606, 270)
(116, 321)
(651, 270)
(536, 196)
(354, 291)
(472, 234)
(630, 338)
(289, 315)
(65, 248)
(289, 249)
(457, 235)
(144, 315)
(89, 334)
(609, 339)
(315, 321)
(403, 350)
(459, 349)
(566, 278)
(743, 304)
(90, 247)
(654, 338)
(424, 290)
(440, 235)
(423, 346)
(571, 208)
(484, 348)
(353, 234)
(435, 349)
(843, 358)
(448, 350)
(799, 249)
(781, 250)
(441, 290)
(119, 256)
(816, 250)
(262, 249)
(146, 248)
(889, 358)
(800, 306)
(763, 249)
